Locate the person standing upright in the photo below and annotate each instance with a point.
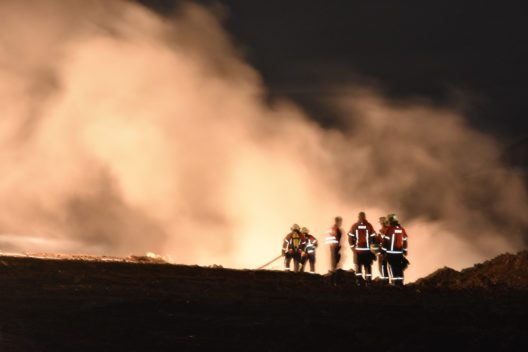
(293, 248)
(333, 240)
(382, 258)
(395, 248)
(309, 249)
(360, 238)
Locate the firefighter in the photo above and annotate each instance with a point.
(382, 260)
(360, 238)
(395, 249)
(333, 239)
(309, 250)
(293, 248)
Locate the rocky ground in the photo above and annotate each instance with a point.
(144, 304)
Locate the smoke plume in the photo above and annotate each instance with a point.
(124, 132)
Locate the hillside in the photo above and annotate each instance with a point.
(505, 272)
(90, 304)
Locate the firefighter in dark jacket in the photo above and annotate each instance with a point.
(293, 248)
(309, 249)
(382, 259)
(395, 243)
(333, 240)
(360, 238)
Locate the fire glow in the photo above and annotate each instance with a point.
(123, 132)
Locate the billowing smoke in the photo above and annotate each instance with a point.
(123, 132)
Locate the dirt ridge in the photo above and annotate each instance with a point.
(504, 272)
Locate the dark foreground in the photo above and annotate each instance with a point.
(64, 305)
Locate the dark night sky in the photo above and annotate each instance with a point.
(430, 49)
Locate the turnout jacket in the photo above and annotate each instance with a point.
(294, 241)
(379, 238)
(311, 244)
(333, 236)
(361, 236)
(395, 240)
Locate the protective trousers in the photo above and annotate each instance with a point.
(335, 256)
(310, 257)
(382, 267)
(364, 261)
(296, 261)
(395, 264)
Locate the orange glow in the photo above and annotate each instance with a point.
(125, 133)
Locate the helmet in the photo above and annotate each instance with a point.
(305, 230)
(392, 218)
(295, 227)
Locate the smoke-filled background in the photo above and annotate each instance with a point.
(125, 132)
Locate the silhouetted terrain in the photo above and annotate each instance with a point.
(505, 272)
(82, 304)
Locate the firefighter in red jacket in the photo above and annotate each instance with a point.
(293, 248)
(309, 249)
(395, 248)
(360, 238)
(333, 239)
(382, 259)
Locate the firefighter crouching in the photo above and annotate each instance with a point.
(382, 259)
(293, 248)
(395, 248)
(361, 237)
(309, 250)
(333, 240)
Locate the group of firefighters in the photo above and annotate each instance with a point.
(388, 246)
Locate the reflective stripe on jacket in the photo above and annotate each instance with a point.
(361, 236)
(395, 240)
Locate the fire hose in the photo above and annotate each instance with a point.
(270, 262)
